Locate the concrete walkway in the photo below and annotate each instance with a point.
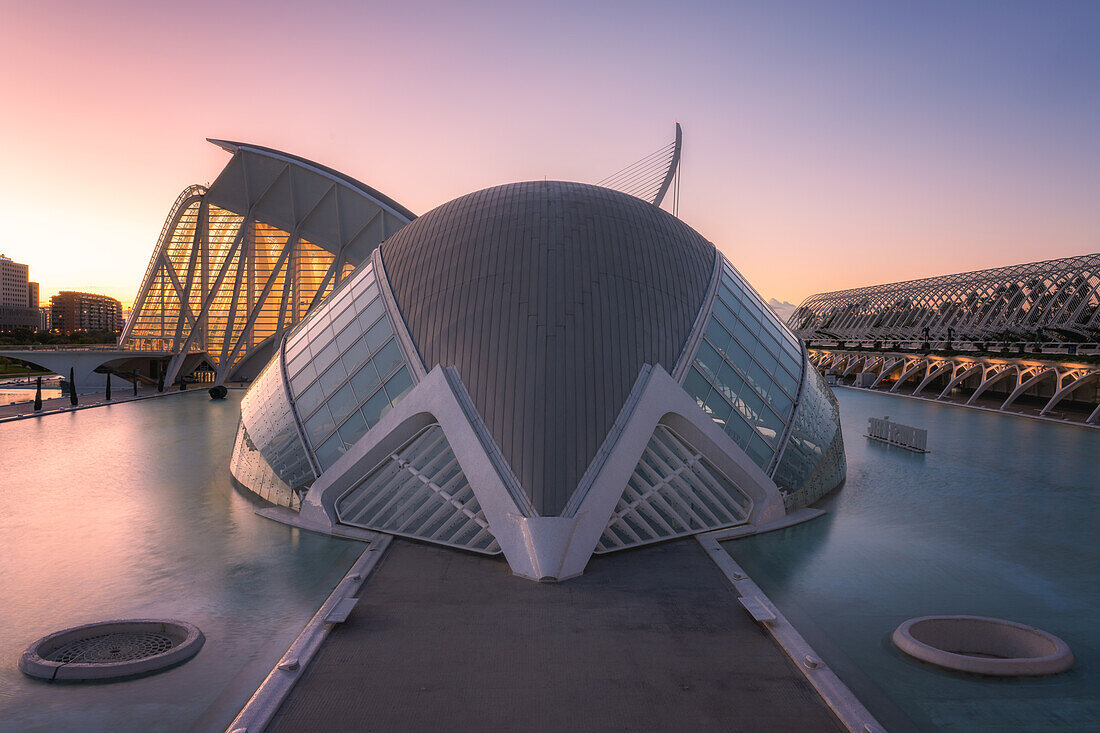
(646, 640)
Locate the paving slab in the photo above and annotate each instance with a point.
(649, 639)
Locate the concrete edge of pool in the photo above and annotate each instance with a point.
(121, 400)
(933, 400)
(273, 691)
(844, 704)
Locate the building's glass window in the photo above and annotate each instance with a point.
(346, 367)
(813, 463)
(266, 415)
(747, 369)
(258, 285)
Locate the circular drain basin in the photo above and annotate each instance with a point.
(111, 649)
(982, 645)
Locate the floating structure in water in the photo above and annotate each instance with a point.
(903, 436)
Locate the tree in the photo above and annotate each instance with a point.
(38, 396)
(72, 388)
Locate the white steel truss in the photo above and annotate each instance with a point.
(420, 491)
(1055, 299)
(239, 263)
(673, 492)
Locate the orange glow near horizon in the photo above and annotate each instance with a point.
(823, 149)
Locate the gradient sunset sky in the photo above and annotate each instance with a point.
(827, 145)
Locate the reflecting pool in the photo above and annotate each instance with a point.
(23, 390)
(999, 519)
(128, 511)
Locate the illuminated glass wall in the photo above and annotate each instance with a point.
(243, 282)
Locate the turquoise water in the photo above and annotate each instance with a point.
(128, 511)
(999, 519)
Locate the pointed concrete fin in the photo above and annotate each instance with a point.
(547, 540)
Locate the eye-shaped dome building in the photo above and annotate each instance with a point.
(544, 369)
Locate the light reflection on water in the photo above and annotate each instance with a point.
(15, 391)
(128, 511)
(998, 520)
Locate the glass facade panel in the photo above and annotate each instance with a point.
(337, 409)
(696, 385)
(355, 355)
(813, 463)
(399, 385)
(377, 335)
(332, 378)
(744, 363)
(307, 402)
(718, 408)
(268, 427)
(353, 429)
(329, 451)
(365, 381)
(375, 407)
(319, 425)
(388, 359)
(342, 403)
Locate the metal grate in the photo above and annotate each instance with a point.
(420, 491)
(673, 492)
(122, 646)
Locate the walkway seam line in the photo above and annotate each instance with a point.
(844, 704)
(258, 712)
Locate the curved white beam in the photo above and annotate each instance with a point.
(673, 166)
(1028, 384)
(1064, 392)
(932, 374)
(917, 366)
(990, 381)
(972, 369)
(887, 371)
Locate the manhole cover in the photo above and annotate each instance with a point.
(111, 649)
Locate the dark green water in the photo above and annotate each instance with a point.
(1001, 519)
(128, 511)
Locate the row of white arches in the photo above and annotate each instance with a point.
(902, 371)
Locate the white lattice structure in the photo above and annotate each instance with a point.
(1051, 300)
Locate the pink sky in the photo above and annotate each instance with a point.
(825, 147)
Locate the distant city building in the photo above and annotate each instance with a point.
(71, 311)
(32, 295)
(15, 296)
(45, 318)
